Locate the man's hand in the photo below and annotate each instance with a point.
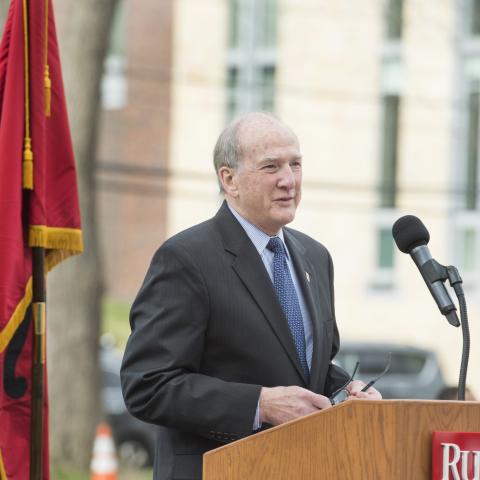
(355, 387)
(282, 404)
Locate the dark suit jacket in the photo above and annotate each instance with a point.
(208, 332)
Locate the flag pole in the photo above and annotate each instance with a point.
(39, 295)
(38, 278)
(38, 367)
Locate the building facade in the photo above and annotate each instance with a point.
(384, 97)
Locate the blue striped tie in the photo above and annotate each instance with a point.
(285, 289)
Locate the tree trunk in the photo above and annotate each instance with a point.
(4, 4)
(74, 288)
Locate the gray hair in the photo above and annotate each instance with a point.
(228, 149)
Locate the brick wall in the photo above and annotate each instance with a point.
(134, 150)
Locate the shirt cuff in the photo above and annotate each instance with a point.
(257, 424)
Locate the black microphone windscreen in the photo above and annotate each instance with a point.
(409, 232)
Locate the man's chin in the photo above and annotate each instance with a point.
(284, 218)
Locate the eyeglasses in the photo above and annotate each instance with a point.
(376, 379)
(342, 393)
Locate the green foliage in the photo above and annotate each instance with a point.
(123, 475)
(115, 321)
(62, 474)
(136, 474)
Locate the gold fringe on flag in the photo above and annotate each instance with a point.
(55, 238)
(3, 474)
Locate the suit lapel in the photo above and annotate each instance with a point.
(249, 266)
(316, 301)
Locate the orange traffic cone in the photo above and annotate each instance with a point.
(104, 464)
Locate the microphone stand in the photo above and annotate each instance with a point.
(456, 282)
(434, 272)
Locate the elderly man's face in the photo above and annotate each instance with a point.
(268, 181)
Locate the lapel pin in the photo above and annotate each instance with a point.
(307, 276)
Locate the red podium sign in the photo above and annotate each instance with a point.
(455, 456)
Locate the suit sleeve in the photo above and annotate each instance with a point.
(336, 376)
(161, 374)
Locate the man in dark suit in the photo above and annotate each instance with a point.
(234, 327)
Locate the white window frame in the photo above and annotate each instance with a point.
(249, 58)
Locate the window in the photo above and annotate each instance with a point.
(267, 91)
(466, 218)
(469, 240)
(467, 246)
(388, 182)
(392, 79)
(114, 82)
(388, 176)
(232, 91)
(234, 30)
(393, 19)
(475, 17)
(471, 171)
(267, 33)
(251, 56)
(465, 198)
(385, 248)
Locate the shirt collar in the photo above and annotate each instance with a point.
(258, 237)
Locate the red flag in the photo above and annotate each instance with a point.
(38, 208)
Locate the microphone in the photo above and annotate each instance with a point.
(412, 237)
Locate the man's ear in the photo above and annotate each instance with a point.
(228, 181)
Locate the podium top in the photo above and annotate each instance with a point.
(371, 439)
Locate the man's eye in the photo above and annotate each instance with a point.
(270, 166)
(296, 164)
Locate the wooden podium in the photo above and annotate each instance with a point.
(359, 439)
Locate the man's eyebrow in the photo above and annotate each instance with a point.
(275, 159)
(269, 159)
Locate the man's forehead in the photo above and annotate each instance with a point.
(261, 133)
(256, 122)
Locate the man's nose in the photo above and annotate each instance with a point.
(287, 178)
